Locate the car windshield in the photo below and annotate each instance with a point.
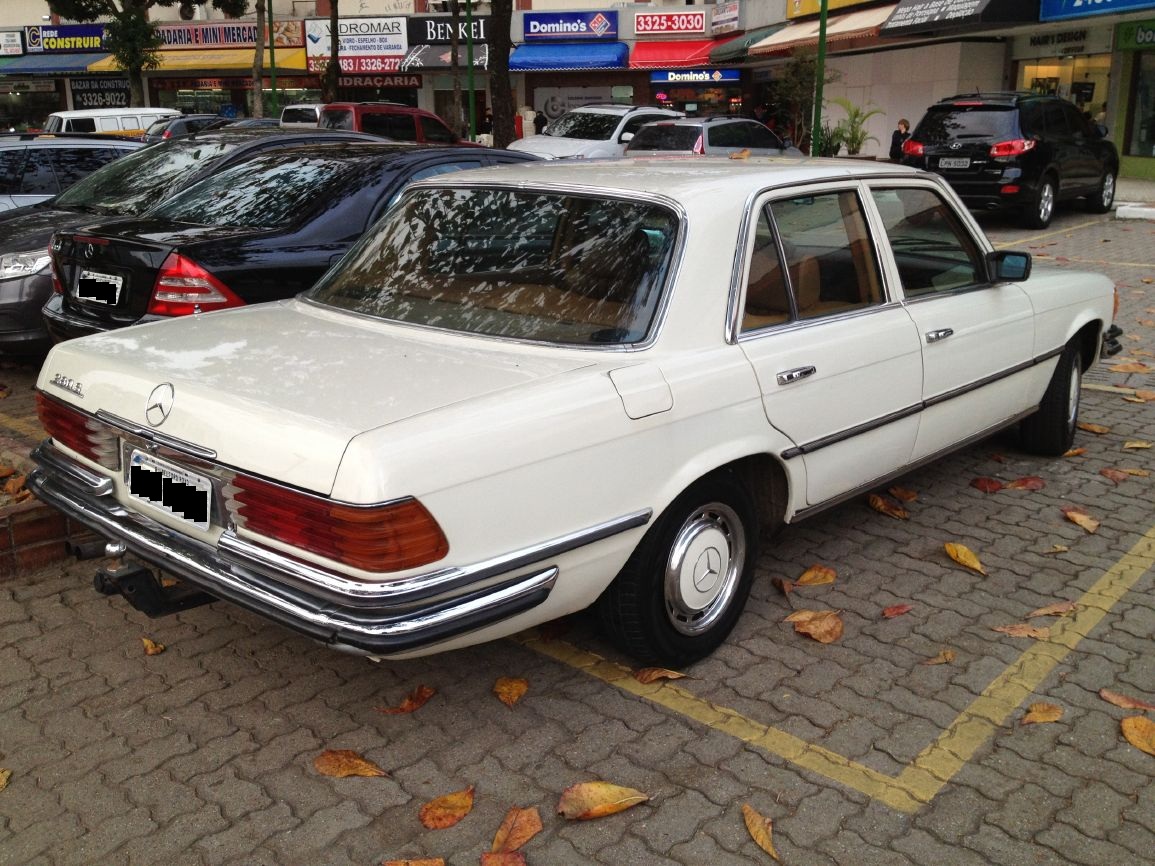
(665, 136)
(584, 124)
(130, 185)
(539, 266)
(337, 119)
(270, 191)
(299, 115)
(963, 122)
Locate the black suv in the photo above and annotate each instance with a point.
(1016, 150)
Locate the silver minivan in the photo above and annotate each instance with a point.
(303, 116)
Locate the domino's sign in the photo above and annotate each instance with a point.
(570, 26)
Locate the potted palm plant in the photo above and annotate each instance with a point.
(853, 126)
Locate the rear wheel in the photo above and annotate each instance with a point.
(683, 588)
(1102, 201)
(1051, 430)
(1039, 212)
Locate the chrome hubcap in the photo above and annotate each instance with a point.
(1046, 202)
(1073, 395)
(1108, 190)
(705, 564)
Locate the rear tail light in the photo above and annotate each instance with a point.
(377, 538)
(1010, 189)
(910, 147)
(167, 134)
(80, 432)
(57, 286)
(1014, 147)
(698, 146)
(1115, 309)
(183, 287)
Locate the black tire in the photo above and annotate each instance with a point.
(1104, 199)
(1051, 430)
(662, 608)
(1037, 214)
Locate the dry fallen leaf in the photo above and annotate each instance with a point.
(518, 827)
(964, 556)
(902, 494)
(510, 690)
(943, 658)
(13, 485)
(1075, 452)
(761, 829)
(1097, 429)
(1133, 367)
(1138, 473)
(1140, 733)
(1028, 482)
(6, 470)
(587, 800)
(1135, 444)
(502, 858)
(1058, 548)
(825, 626)
(986, 485)
(1134, 400)
(886, 505)
(5, 775)
(897, 610)
(1125, 701)
(1144, 395)
(1114, 475)
(414, 701)
(816, 575)
(1023, 629)
(1041, 713)
(1059, 608)
(783, 585)
(446, 810)
(151, 647)
(1080, 518)
(424, 861)
(645, 676)
(340, 763)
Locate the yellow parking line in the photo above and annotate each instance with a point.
(920, 782)
(1033, 238)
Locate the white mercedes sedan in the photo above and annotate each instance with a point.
(537, 388)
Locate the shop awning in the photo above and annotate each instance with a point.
(799, 34)
(667, 55)
(595, 55)
(933, 16)
(735, 50)
(212, 60)
(31, 64)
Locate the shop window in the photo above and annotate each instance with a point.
(1141, 139)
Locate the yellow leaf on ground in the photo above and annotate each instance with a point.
(1028, 482)
(1097, 429)
(761, 829)
(340, 763)
(1144, 395)
(446, 810)
(1075, 452)
(1138, 473)
(782, 585)
(1059, 608)
(1080, 518)
(520, 825)
(509, 690)
(5, 775)
(1125, 701)
(1042, 713)
(744, 153)
(902, 494)
(587, 800)
(424, 861)
(816, 575)
(1134, 400)
(1135, 445)
(414, 701)
(1115, 476)
(6, 470)
(14, 484)
(887, 506)
(1023, 629)
(825, 626)
(964, 556)
(151, 647)
(1059, 548)
(943, 658)
(1132, 367)
(1140, 733)
(645, 676)
(502, 858)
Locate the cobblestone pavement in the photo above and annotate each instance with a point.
(858, 752)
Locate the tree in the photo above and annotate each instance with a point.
(132, 39)
(331, 77)
(500, 46)
(455, 122)
(792, 93)
(256, 93)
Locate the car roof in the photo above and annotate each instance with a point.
(239, 136)
(400, 152)
(67, 139)
(699, 121)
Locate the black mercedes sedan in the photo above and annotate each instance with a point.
(262, 230)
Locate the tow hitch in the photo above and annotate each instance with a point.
(143, 589)
(1111, 344)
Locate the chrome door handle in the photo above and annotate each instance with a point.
(940, 334)
(788, 376)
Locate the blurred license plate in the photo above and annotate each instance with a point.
(170, 487)
(98, 287)
(954, 162)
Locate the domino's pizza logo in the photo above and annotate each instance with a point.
(599, 24)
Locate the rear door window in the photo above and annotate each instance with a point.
(108, 124)
(436, 131)
(80, 124)
(11, 166)
(399, 127)
(73, 164)
(39, 176)
(666, 136)
(1055, 121)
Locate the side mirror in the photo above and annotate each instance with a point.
(626, 136)
(1008, 266)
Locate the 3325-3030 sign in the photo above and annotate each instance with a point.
(99, 92)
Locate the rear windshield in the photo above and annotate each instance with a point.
(962, 122)
(270, 191)
(158, 126)
(299, 115)
(337, 119)
(585, 125)
(536, 266)
(666, 136)
(134, 183)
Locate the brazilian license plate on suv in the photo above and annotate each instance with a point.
(99, 288)
(171, 488)
(954, 162)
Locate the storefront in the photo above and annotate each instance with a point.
(698, 92)
(43, 69)
(371, 51)
(430, 56)
(1072, 62)
(1136, 120)
(675, 47)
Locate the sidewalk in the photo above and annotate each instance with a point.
(1135, 198)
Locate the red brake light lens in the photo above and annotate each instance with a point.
(1014, 147)
(78, 431)
(910, 147)
(183, 287)
(698, 146)
(377, 538)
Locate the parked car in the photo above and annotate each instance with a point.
(301, 116)
(34, 168)
(1016, 150)
(708, 136)
(592, 131)
(111, 121)
(172, 127)
(126, 187)
(389, 120)
(536, 389)
(246, 122)
(261, 230)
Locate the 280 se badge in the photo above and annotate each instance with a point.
(529, 391)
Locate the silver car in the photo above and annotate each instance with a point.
(708, 136)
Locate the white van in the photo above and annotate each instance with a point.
(110, 121)
(302, 116)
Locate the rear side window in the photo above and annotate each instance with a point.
(301, 115)
(1055, 120)
(735, 135)
(437, 131)
(666, 136)
(11, 163)
(79, 124)
(73, 164)
(944, 124)
(157, 127)
(39, 176)
(130, 122)
(109, 124)
(337, 119)
(760, 136)
(399, 127)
